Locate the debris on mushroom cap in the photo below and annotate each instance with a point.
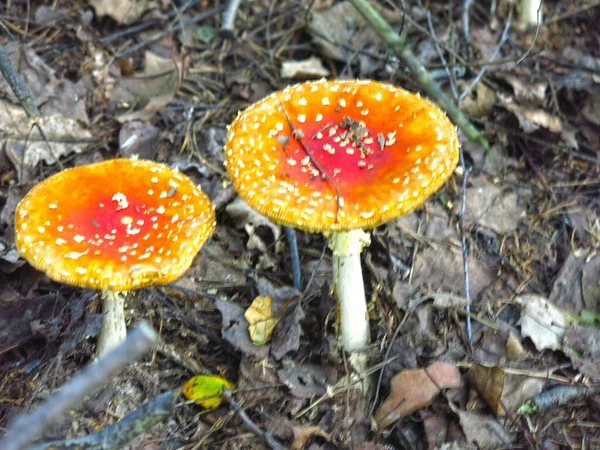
(119, 224)
(375, 152)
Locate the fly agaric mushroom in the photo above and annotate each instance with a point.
(338, 157)
(116, 225)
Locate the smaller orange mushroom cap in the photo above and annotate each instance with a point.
(340, 155)
(119, 224)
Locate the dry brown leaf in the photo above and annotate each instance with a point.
(542, 322)
(261, 322)
(531, 119)
(303, 434)
(154, 88)
(307, 68)
(414, 389)
(503, 391)
(493, 206)
(489, 383)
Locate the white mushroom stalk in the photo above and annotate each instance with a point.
(531, 13)
(114, 328)
(348, 286)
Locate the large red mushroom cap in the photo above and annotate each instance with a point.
(340, 155)
(118, 225)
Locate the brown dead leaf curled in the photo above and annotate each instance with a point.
(235, 330)
(489, 383)
(303, 433)
(414, 389)
(531, 119)
(154, 88)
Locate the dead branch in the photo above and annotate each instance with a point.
(28, 427)
(399, 47)
(249, 423)
(124, 431)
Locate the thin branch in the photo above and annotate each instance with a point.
(503, 39)
(249, 423)
(155, 37)
(28, 427)
(465, 250)
(15, 81)
(125, 430)
(440, 53)
(399, 46)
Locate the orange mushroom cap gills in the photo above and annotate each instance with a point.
(119, 224)
(384, 149)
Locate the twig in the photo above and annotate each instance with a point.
(155, 37)
(463, 236)
(399, 46)
(440, 53)
(466, 27)
(503, 39)
(226, 31)
(28, 427)
(142, 26)
(125, 430)
(250, 424)
(15, 81)
(290, 234)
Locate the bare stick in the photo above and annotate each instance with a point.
(124, 431)
(399, 47)
(463, 237)
(28, 427)
(250, 424)
(16, 83)
(226, 31)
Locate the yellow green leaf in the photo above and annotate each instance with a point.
(202, 386)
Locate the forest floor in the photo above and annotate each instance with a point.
(158, 79)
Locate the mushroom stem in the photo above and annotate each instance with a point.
(114, 329)
(349, 287)
(530, 13)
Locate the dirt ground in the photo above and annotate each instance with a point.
(162, 81)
